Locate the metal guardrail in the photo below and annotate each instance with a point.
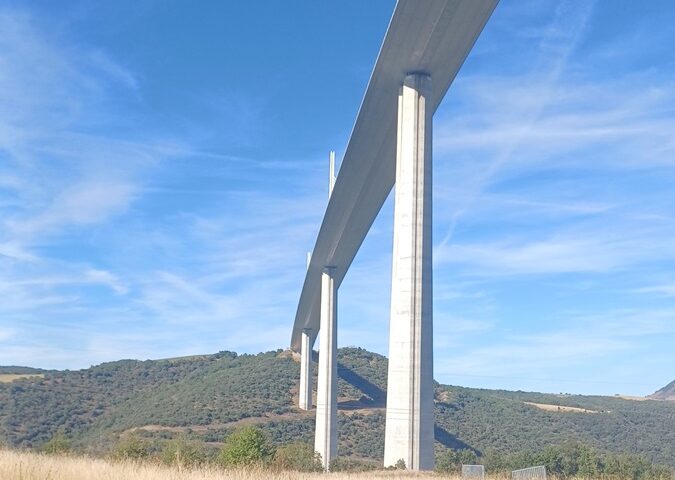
(532, 473)
(473, 472)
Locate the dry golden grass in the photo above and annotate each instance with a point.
(10, 377)
(559, 408)
(633, 398)
(32, 466)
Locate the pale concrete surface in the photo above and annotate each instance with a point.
(331, 173)
(434, 36)
(409, 430)
(305, 393)
(325, 436)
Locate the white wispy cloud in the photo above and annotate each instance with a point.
(61, 173)
(554, 164)
(666, 289)
(549, 159)
(57, 176)
(79, 204)
(6, 334)
(531, 146)
(584, 339)
(585, 250)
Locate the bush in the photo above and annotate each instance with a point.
(451, 461)
(183, 452)
(299, 457)
(576, 460)
(634, 467)
(131, 448)
(57, 445)
(246, 446)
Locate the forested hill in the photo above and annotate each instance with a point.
(666, 393)
(14, 370)
(208, 396)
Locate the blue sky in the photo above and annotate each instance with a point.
(163, 172)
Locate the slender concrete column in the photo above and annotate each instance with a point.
(409, 432)
(305, 393)
(325, 439)
(331, 172)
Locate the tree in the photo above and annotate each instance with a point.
(246, 446)
(589, 463)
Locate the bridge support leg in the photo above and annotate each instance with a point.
(305, 393)
(325, 440)
(409, 432)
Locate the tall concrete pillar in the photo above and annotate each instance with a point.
(331, 173)
(409, 431)
(325, 439)
(305, 393)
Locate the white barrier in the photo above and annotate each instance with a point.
(532, 473)
(471, 472)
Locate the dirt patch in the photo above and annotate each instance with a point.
(10, 377)
(272, 417)
(630, 397)
(559, 408)
(215, 426)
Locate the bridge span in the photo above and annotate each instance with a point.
(425, 46)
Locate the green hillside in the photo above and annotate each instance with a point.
(14, 370)
(208, 396)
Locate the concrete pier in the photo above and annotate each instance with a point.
(331, 173)
(325, 439)
(409, 431)
(305, 393)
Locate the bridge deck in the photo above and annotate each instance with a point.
(432, 36)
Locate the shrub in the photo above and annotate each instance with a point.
(298, 456)
(246, 446)
(576, 460)
(131, 448)
(57, 445)
(183, 452)
(451, 461)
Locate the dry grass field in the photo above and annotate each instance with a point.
(559, 408)
(32, 466)
(10, 377)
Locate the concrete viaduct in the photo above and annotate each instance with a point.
(425, 46)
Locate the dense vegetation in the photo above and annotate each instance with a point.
(20, 370)
(569, 460)
(205, 398)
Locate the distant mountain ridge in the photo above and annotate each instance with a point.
(666, 393)
(207, 396)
